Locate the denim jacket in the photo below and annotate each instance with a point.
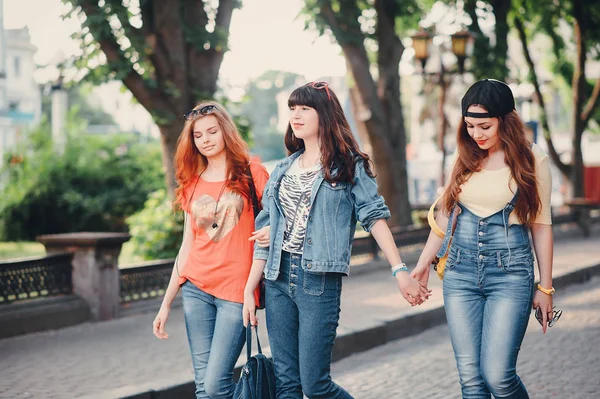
(335, 208)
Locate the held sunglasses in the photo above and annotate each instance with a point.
(551, 321)
(206, 110)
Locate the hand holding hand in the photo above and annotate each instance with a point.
(421, 273)
(412, 290)
(158, 325)
(261, 236)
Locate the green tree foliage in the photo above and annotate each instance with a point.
(489, 57)
(553, 18)
(166, 52)
(93, 186)
(156, 231)
(549, 18)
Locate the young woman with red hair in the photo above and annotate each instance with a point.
(499, 193)
(215, 179)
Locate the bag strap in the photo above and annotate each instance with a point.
(249, 341)
(431, 219)
(253, 197)
(452, 220)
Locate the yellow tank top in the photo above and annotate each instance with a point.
(488, 191)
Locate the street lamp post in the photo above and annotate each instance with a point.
(421, 41)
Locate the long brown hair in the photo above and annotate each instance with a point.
(190, 163)
(518, 156)
(339, 148)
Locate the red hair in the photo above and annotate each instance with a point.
(190, 163)
(518, 156)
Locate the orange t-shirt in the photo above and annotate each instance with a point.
(220, 258)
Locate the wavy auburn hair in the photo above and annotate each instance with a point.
(190, 163)
(340, 151)
(518, 156)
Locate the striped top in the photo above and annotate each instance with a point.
(294, 196)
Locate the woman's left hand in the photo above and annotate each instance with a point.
(261, 236)
(544, 302)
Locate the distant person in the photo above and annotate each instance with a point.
(304, 238)
(214, 191)
(499, 192)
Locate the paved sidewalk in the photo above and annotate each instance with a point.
(563, 364)
(121, 357)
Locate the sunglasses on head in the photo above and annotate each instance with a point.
(320, 86)
(206, 110)
(551, 321)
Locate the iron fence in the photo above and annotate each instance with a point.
(36, 277)
(146, 280)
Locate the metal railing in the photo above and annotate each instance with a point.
(51, 275)
(145, 280)
(35, 277)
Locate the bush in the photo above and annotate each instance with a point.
(93, 186)
(156, 230)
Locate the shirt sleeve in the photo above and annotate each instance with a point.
(369, 206)
(187, 196)
(544, 178)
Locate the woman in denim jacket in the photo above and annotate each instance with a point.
(311, 204)
(500, 189)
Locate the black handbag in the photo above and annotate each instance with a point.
(256, 208)
(257, 379)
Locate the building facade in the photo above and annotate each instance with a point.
(20, 97)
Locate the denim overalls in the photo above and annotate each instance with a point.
(488, 292)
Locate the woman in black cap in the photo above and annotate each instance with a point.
(499, 192)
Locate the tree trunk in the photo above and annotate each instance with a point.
(501, 28)
(393, 182)
(442, 123)
(578, 99)
(168, 139)
(185, 58)
(385, 123)
(361, 113)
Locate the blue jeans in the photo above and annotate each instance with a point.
(216, 336)
(488, 291)
(302, 311)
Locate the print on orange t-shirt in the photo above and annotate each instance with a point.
(220, 258)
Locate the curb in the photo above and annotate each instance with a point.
(359, 341)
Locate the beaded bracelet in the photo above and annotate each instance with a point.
(399, 268)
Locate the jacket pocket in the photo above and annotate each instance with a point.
(314, 283)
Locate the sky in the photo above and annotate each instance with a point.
(265, 34)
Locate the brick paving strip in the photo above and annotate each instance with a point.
(121, 358)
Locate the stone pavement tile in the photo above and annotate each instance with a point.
(564, 363)
(100, 358)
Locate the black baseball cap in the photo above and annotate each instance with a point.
(493, 95)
